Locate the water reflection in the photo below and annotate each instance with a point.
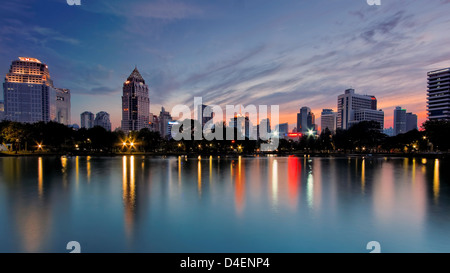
(436, 180)
(135, 204)
(129, 193)
(40, 177)
(275, 184)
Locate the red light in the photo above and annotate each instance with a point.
(294, 134)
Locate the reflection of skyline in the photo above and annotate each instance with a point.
(45, 195)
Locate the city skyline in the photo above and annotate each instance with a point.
(293, 54)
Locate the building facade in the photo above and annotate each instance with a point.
(354, 108)
(102, 119)
(411, 122)
(164, 123)
(305, 120)
(2, 110)
(438, 95)
(399, 121)
(29, 95)
(135, 103)
(87, 120)
(63, 106)
(328, 119)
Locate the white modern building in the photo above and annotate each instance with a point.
(354, 108)
(328, 119)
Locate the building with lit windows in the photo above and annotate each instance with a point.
(135, 103)
(438, 96)
(29, 94)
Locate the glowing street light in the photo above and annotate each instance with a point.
(310, 132)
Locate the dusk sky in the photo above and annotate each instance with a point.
(292, 53)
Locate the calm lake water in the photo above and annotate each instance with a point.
(258, 204)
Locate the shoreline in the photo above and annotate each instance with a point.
(236, 155)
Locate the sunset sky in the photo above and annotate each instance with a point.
(291, 53)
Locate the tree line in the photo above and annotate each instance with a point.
(363, 137)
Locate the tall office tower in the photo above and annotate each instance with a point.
(87, 120)
(305, 120)
(102, 120)
(201, 112)
(411, 122)
(29, 95)
(282, 130)
(243, 125)
(354, 108)
(2, 110)
(63, 106)
(328, 120)
(399, 121)
(263, 129)
(154, 123)
(438, 96)
(135, 103)
(164, 119)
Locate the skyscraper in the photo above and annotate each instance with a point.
(282, 130)
(305, 120)
(263, 129)
(102, 120)
(438, 96)
(28, 92)
(243, 125)
(411, 122)
(164, 119)
(2, 110)
(202, 113)
(87, 120)
(328, 120)
(135, 103)
(399, 121)
(63, 106)
(354, 108)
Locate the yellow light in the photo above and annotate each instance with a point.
(124, 143)
(132, 144)
(76, 146)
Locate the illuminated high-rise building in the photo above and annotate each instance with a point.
(135, 103)
(29, 95)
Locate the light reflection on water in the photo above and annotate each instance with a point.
(212, 204)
